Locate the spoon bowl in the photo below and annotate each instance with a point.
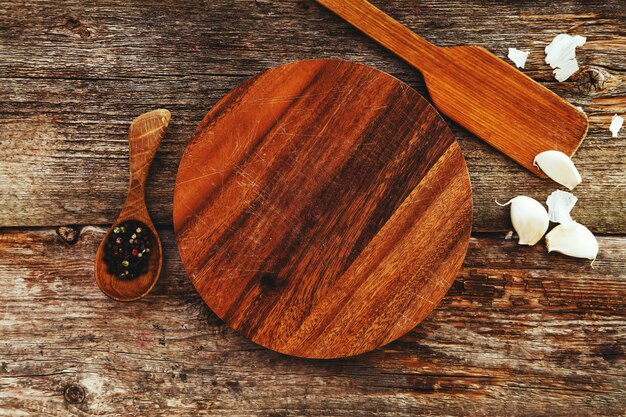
(133, 289)
(144, 136)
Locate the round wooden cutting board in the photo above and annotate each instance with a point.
(322, 208)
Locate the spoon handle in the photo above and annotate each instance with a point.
(144, 136)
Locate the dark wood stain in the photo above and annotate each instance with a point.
(323, 211)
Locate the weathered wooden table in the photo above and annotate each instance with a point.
(521, 332)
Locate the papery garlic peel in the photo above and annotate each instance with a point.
(530, 219)
(560, 203)
(616, 124)
(518, 57)
(561, 55)
(559, 168)
(573, 240)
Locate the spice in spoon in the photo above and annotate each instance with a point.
(127, 250)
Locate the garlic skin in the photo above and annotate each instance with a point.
(561, 55)
(530, 219)
(518, 57)
(559, 168)
(573, 240)
(560, 203)
(616, 124)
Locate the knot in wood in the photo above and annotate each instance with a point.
(74, 394)
(69, 234)
(590, 79)
(74, 24)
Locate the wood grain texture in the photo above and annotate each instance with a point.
(322, 208)
(519, 333)
(62, 93)
(144, 136)
(481, 92)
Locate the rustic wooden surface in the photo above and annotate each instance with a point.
(519, 333)
(144, 136)
(322, 209)
(77, 74)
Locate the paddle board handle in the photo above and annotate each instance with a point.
(387, 31)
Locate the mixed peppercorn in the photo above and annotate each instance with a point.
(127, 249)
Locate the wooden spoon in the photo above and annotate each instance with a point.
(144, 137)
(478, 90)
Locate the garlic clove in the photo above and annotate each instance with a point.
(573, 240)
(559, 168)
(560, 203)
(530, 219)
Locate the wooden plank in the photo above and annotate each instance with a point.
(75, 74)
(520, 330)
(115, 38)
(69, 164)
